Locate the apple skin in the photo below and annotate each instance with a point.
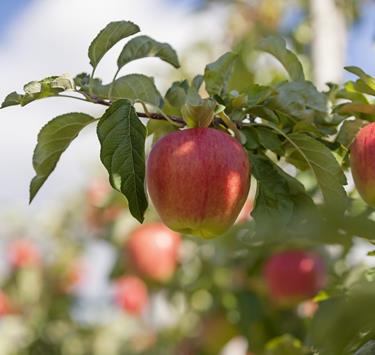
(131, 294)
(362, 162)
(198, 180)
(23, 253)
(294, 275)
(153, 251)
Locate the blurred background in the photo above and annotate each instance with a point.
(64, 254)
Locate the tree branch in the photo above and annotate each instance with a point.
(154, 116)
(158, 116)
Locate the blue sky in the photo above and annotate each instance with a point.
(8, 10)
(361, 49)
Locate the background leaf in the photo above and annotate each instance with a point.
(53, 139)
(108, 37)
(342, 322)
(277, 47)
(122, 138)
(144, 46)
(285, 345)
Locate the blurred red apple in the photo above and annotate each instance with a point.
(22, 253)
(294, 275)
(198, 180)
(362, 162)
(153, 251)
(100, 210)
(5, 307)
(74, 276)
(98, 192)
(131, 294)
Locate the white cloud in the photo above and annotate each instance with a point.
(52, 37)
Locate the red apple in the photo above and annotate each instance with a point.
(5, 307)
(362, 162)
(153, 251)
(198, 180)
(294, 275)
(22, 253)
(131, 294)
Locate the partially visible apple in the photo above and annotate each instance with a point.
(23, 253)
(198, 180)
(131, 294)
(362, 162)
(294, 275)
(153, 250)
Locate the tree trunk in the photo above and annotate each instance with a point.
(329, 41)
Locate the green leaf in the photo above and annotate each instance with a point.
(257, 94)
(327, 170)
(217, 74)
(35, 90)
(348, 131)
(251, 138)
(122, 138)
(285, 345)
(198, 112)
(197, 82)
(264, 112)
(366, 79)
(108, 37)
(158, 129)
(11, 100)
(277, 47)
(356, 108)
(281, 199)
(269, 140)
(306, 127)
(144, 46)
(177, 93)
(132, 87)
(300, 100)
(53, 139)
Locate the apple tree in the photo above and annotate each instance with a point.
(208, 142)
